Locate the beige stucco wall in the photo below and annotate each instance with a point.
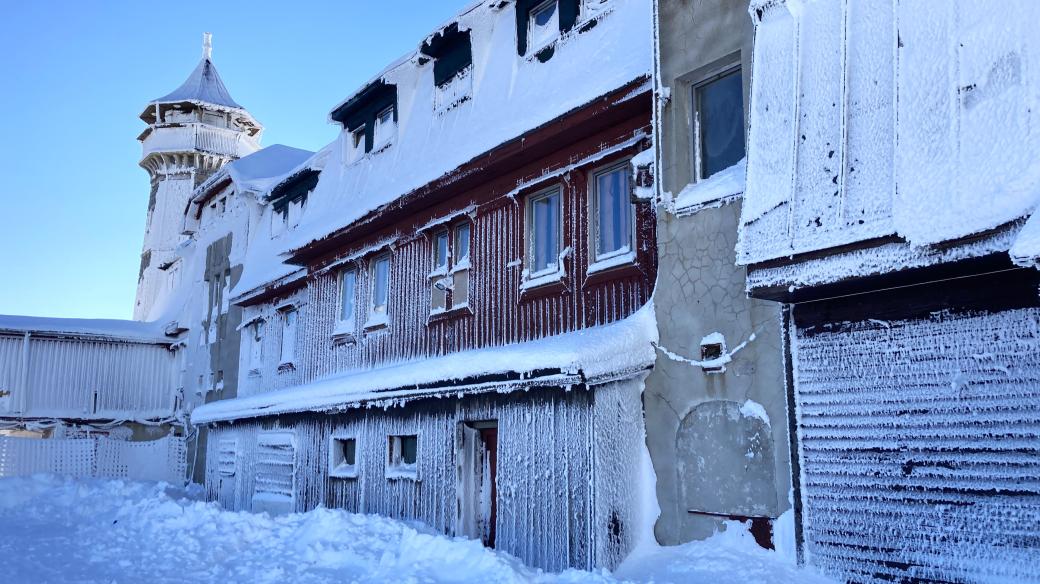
(708, 454)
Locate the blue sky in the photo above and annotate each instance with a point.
(75, 77)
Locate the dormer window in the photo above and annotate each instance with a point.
(385, 126)
(357, 144)
(452, 52)
(543, 24)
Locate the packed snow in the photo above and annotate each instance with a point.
(85, 530)
(129, 330)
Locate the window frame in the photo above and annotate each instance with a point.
(453, 267)
(378, 319)
(532, 45)
(283, 361)
(349, 324)
(357, 143)
(383, 132)
(596, 257)
(396, 468)
(338, 468)
(696, 133)
(256, 332)
(529, 234)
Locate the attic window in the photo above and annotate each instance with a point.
(385, 126)
(543, 24)
(370, 117)
(539, 23)
(357, 143)
(452, 52)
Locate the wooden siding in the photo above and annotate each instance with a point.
(500, 312)
(552, 512)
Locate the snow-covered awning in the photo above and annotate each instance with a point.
(588, 356)
(110, 329)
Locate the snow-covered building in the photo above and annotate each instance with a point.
(893, 174)
(445, 311)
(715, 404)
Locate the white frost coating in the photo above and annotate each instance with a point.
(262, 170)
(624, 346)
(713, 338)
(720, 186)
(505, 86)
(929, 136)
(753, 409)
(1026, 249)
(155, 460)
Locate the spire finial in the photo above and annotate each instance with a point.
(207, 45)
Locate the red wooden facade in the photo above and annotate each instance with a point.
(490, 193)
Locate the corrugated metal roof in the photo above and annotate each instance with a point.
(203, 85)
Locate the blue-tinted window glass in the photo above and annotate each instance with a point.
(614, 227)
(546, 232)
(720, 111)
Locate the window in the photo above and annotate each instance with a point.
(256, 347)
(380, 289)
(288, 350)
(343, 457)
(347, 298)
(385, 126)
(543, 24)
(719, 130)
(449, 286)
(403, 454)
(357, 144)
(544, 233)
(612, 213)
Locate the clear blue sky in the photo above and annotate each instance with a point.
(76, 75)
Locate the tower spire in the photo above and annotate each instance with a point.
(207, 45)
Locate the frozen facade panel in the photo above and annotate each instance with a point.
(888, 119)
(154, 460)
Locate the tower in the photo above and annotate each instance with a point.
(191, 133)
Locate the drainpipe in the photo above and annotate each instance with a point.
(23, 376)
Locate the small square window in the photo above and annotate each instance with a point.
(544, 232)
(343, 457)
(403, 455)
(719, 132)
(612, 210)
(543, 24)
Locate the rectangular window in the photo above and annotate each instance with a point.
(288, 349)
(461, 245)
(543, 25)
(403, 455)
(719, 131)
(347, 295)
(343, 457)
(440, 252)
(544, 232)
(256, 347)
(460, 269)
(449, 280)
(380, 289)
(385, 126)
(357, 144)
(612, 210)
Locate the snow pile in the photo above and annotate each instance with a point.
(130, 330)
(261, 171)
(622, 347)
(64, 530)
(717, 188)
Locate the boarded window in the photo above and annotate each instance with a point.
(274, 488)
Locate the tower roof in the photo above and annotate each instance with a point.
(203, 85)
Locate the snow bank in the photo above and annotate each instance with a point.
(596, 353)
(65, 530)
(129, 330)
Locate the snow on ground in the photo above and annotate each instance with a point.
(76, 530)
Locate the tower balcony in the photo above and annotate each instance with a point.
(199, 138)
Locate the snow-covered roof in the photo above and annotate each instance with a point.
(508, 96)
(204, 85)
(591, 355)
(260, 171)
(125, 330)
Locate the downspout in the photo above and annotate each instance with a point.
(23, 376)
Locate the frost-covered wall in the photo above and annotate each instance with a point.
(921, 446)
(43, 375)
(261, 366)
(872, 119)
(567, 462)
(155, 460)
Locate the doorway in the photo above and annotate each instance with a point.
(478, 480)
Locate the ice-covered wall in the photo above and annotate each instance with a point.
(561, 493)
(871, 119)
(154, 460)
(920, 441)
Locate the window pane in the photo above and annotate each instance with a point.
(720, 110)
(544, 25)
(348, 286)
(349, 449)
(544, 14)
(546, 232)
(614, 212)
(288, 336)
(461, 243)
(380, 282)
(409, 448)
(440, 250)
